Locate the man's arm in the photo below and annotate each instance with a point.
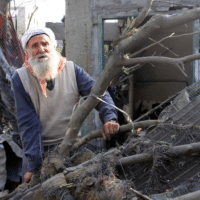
(29, 125)
(107, 112)
(85, 82)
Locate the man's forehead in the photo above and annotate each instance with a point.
(38, 38)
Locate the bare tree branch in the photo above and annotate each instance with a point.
(178, 62)
(97, 133)
(157, 22)
(142, 14)
(171, 152)
(135, 22)
(170, 36)
(31, 17)
(189, 196)
(163, 46)
(140, 194)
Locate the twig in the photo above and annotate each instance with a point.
(140, 194)
(170, 36)
(164, 47)
(152, 65)
(31, 17)
(131, 69)
(178, 65)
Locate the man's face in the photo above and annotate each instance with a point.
(43, 57)
(40, 44)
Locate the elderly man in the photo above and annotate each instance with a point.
(46, 89)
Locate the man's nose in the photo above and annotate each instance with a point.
(41, 49)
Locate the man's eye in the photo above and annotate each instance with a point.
(45, 44)
(34, 45)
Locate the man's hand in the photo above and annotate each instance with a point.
(109, 128)
(27, 176)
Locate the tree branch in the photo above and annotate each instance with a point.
(140, 195)
(123, 128)
(191, 196)
(163, 46)
(157, 22)
(31, 17)
(142, 14)
(170, 36)
(171, 152)
(178, 62)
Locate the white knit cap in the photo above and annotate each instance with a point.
(37, 31)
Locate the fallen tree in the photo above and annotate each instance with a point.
(119, 59)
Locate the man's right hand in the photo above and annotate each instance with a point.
(27, 177)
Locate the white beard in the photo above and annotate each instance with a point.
(45, 68)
